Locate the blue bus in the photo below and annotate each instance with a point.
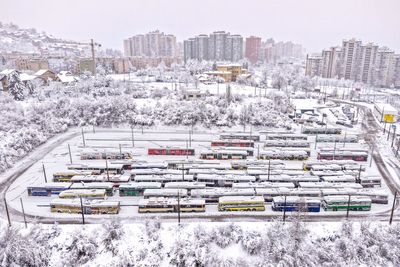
(295, 203)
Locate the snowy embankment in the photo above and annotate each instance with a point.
(212, 244)
(26, 125)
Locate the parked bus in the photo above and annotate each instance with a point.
(84, 193)
(164, 178)
(286, 143)
(161, 204)
(337, 203)
(256, 164)
(344, 164)
(240, 136)
(171, 151)
(342, 155)
(233, 143)
(321, 130)
(137, 189)
(241, 203)
(213, 180)
(61, 205)
(297, 137)
(185, 185)
(65, 176)
(370, 181)
(47, 189)
(284, 155)
(295, 203)
(348, 138)
(165, 192)
(109, 187)
(98, 168)
(211, 195)
(105, 155)
(223, 154)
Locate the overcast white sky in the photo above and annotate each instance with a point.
(316, 24)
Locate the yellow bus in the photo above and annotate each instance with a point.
(241, 203)
(61, 205)
(65, 176)
(84, 193)
(162, 204)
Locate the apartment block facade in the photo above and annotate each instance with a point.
(218, 46)
(152, 44)
(366, 63)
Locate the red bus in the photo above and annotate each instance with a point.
(233, 143)
(171, 151)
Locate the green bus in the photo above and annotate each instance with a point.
(337, 203)
(136, 189)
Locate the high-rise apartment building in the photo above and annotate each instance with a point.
(331, 62)
(351, 50)
(218, 46)
(314, 65)
(253, 49)
(152, 44)
(367, 63)
(385, 67)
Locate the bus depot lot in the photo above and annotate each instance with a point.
(58, 159)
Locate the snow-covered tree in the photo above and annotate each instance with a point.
(16, 87)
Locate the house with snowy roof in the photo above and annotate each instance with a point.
(46, 75)
(66, 77)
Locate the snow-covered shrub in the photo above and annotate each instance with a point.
(225, 235)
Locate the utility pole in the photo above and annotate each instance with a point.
(44, 173)
(120, 151)
(83, 139)
(284, 211)
(8, 214)
(398, 147)
(359, 174)
(183, 172)
(133, 137)
(82, 211)
(348, 207)
(316, 140)
(334, 150)
(108, 176)
(179, 207)
(269, 167)
(344, 140)
(394, 135)
(372, 155)
(394, 203)
(92, 44)
(23, 212)
(187, 149)
(70, 156)
(93, 129)
(190, 138)
(258, 151)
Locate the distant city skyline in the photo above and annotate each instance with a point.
(313, 23)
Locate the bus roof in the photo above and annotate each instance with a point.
(241, 199)
(343, 198)
(141, 185)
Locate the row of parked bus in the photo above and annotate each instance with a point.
(257, 203)
(225, 203)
